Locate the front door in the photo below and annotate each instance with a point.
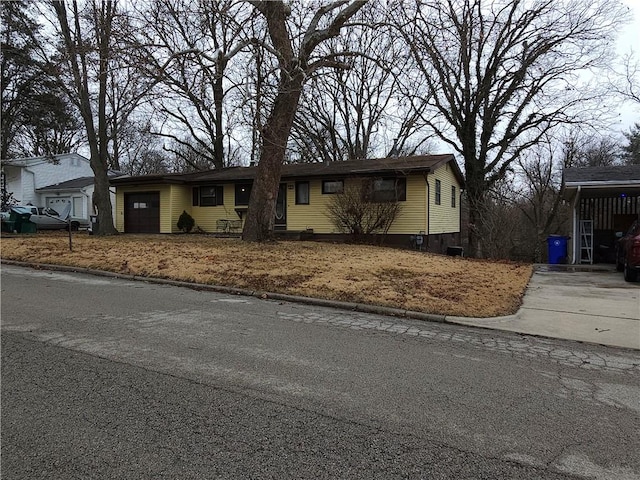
(281, 208)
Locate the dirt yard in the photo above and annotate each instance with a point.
(353, 273)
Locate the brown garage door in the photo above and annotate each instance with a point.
(142, 212)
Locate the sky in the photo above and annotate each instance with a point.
(629, 39)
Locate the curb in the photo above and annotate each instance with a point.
(320, 302)
(470, 322)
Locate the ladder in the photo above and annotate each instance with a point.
(586, 241)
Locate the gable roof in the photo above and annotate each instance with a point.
(379, 166)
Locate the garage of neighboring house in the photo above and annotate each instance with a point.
(605, 201)
(142, 212)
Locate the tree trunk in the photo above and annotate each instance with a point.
(275, 135)
(218, 98)
(258, 226)
(475, 186)
(97, 140)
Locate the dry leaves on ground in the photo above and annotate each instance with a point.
(354, 273)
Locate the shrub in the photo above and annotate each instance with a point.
(186, 222)
(354, 212)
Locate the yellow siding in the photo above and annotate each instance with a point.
(444, 218)
(412, 218)
(413, 213)
(206, 217)
(301, 217)
(180, 202)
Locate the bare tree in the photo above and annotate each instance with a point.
(142, 151)
(354, 211)
(501, 74)
(355, 113)
(78, 56)
(295, 66)
(626, 81)
(591, 150)
(127, 90)
(186, 47)
(538, 196)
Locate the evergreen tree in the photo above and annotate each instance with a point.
(631, 151)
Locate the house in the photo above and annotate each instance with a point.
(605, 201)
(428, 188)
(52, 182)
(25, 177)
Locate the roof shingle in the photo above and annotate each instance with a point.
(619, 173)
(381, 166)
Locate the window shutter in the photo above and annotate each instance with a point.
(195, 191)
(219, 195)
(401, 189)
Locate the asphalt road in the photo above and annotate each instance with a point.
(108, 378)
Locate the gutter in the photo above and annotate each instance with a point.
(607, 183)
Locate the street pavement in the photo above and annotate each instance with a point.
(586, 303)
(113, 378)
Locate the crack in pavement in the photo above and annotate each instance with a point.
(523, 347)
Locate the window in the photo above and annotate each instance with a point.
(208, 196)
(302, 193)
(438, 192)
(388, 190)
(453, 196)
(243, 193)
(332, 186)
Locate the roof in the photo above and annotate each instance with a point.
(596, 182)
(378, 166)
(76, 183)
(69, 184)
(620, 173)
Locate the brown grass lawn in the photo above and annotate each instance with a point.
(353, 273)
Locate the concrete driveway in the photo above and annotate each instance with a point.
(590, 305)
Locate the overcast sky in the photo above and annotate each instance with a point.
(630, 39)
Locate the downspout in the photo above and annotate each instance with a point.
(33, 178)
(576, 233)
(86, 203)
(460, 217)
(426, 179)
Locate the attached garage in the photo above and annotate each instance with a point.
(142, 212)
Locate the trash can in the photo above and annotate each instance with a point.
(8, 226)
(21, 222)
(28, 226)
(557, 247)
(94, 224)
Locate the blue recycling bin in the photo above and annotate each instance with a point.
(557, 247)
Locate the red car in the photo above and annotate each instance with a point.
(628, 253)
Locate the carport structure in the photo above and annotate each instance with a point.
(604, 200)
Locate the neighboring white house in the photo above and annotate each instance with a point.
(52, 182)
